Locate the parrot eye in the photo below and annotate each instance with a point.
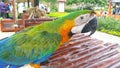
(81, 17)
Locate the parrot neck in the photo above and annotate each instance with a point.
(65, 30)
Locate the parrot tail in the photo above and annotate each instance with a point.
(4, 65)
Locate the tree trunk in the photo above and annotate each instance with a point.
(36, 3)
(28, 3)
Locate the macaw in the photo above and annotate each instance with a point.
(36, 44)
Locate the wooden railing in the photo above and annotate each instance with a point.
(8, 25)
(32, 22)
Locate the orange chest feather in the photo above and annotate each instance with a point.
(65, 29)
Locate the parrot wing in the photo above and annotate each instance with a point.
(24, 49)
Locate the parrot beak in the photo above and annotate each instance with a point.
(85, 23)
(91, 26)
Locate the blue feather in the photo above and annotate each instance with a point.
(3, 41)
(42, 59)
(4, 65)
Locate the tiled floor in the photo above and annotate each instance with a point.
(106, 37)
(5, 34)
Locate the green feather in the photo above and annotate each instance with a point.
(41, 44)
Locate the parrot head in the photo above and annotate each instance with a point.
(85, 23)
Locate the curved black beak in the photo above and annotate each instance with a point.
(91, 26)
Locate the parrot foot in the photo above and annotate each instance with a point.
(35, 65)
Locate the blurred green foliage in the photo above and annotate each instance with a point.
(109, 25)
(57, 14)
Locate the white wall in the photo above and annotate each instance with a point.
(115, 0)
(61, 7)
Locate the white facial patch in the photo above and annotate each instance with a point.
(77, 29)
(83, 19)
